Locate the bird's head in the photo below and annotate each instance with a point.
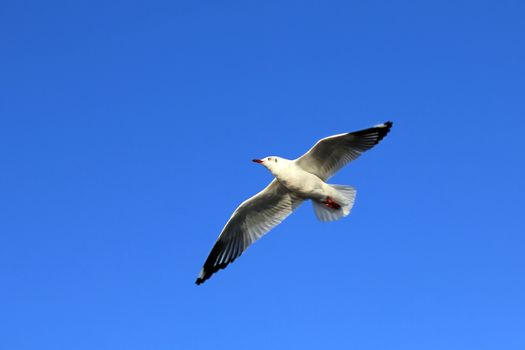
(272, 163)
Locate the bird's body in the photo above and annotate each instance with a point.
(299, 181)
(295, 181)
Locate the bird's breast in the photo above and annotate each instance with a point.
(303, 183)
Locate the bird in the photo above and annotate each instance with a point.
(295, 181)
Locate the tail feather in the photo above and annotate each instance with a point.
(346, 198)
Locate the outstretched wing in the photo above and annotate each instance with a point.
(330, 154)
(250, 221)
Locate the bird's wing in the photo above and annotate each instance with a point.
(250, 221)
(330, 154)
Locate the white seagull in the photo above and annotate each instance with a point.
(295, 181)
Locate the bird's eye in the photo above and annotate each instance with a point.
(269, 158)
(276, 160)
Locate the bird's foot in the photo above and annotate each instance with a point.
(330, 203)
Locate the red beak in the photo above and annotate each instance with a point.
(257, 161)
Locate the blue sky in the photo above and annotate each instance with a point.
(127, 130)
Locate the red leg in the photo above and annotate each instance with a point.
(330, 203)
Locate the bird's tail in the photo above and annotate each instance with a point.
(340, 208)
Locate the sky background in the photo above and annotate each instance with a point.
(126, 134)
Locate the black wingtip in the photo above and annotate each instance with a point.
(385, 126)
(203, 276)
(210, 267)
(383, 130)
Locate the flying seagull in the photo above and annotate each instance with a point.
(295, 181)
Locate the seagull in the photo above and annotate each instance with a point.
(295, 181)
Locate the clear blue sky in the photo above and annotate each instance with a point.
(127, 130)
